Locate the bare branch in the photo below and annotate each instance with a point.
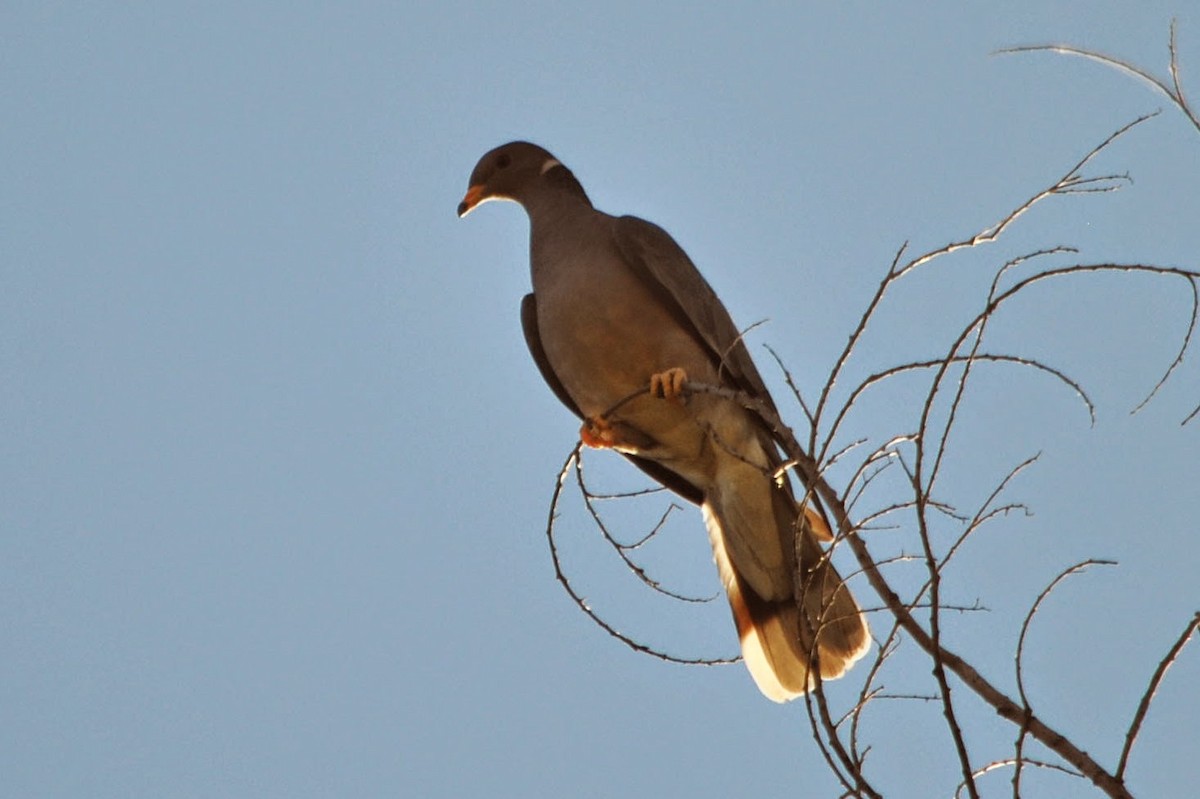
(623, 550)
(1019, 745)
(582, 604)
(1187, 340)
(879, 377)
(1144, 706)
(1004, 706)
(986, 512)
(1071, 179)
(1173, 92)
(808, 414)
(920, 456)
(1007, 762)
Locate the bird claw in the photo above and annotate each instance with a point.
(597, 433)
(669, 384)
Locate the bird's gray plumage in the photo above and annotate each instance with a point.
(617, 303)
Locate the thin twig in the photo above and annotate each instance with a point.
(582, 604)
(1173, 92)
(1019, 745)
(1004, 706)
(1010, 761)
(1183, 347)
(1144, 706)
(623, 550)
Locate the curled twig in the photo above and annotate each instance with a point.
(582, 604)
(623, 549)
(1019, 756)
(1173, 91)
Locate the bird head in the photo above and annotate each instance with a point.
(509, 172)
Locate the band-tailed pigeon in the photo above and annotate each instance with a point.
(617, 308)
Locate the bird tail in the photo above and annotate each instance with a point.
(777, 639)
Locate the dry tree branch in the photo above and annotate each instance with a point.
(600, 496)
(1069, 181)
(1190, 275)
(880, 377)
(582, 604)
(921, 491)
(985, 513)
(930, 640)
(622, 549)
(1067, 184)
(1144, 706)
(921, 496)
(939, 665)
(847, 763)
(929, 443)
(1173, 92)
(969, 363)
(808, 414)
(1018, 758)
(868, 693)
(1004, 706)
(975, 608)
(1187, 339)
(855, 781)
(1009, 761)
(812, 477)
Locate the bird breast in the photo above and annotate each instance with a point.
(603, 330)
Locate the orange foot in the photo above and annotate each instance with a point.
(596, 432)
(669, 384)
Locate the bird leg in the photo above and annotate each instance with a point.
(669, 384)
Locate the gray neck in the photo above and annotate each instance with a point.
(561, 220)
(557, 200)
(557, 191)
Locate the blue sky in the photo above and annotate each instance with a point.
(276, 463)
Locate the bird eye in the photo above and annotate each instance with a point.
(502, 161)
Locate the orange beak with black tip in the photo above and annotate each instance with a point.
(473, 197)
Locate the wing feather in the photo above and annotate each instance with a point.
(666, 268)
